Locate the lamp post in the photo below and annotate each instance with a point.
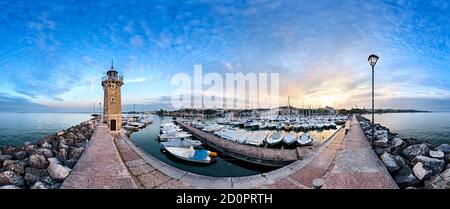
(372, 62)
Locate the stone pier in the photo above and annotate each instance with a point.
(100, 166)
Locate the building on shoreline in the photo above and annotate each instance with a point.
(112, 109)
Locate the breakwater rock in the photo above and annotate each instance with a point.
(412, 163)
(45, 164)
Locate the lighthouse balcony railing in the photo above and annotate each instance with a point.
(117, 78)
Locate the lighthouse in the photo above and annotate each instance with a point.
(112, 104)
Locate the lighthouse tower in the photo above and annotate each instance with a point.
(112, 110)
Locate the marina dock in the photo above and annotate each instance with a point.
(257, 155)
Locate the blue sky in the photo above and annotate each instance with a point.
(54, 53)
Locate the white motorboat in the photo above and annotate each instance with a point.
(137, 124)
(297, 126)
(305, 126)
(242, 138)
(131, 128)
(256, 138)
(280, 126)
(275, 138)
(186, 143)
(191, 154)
(290, 138)
(332, 124)
(326, 125)
(272, 125)
(263, 125)
(305, 140)
(173, 134)
(213, 128)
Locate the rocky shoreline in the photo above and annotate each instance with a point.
(411, 163)
(45, 164)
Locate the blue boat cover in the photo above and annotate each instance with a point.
(200, 154)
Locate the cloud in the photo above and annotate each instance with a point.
(136, 80)
(10, 103)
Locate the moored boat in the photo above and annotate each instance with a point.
(275, 138)
(305, 140)
(191, 154)
(290, 138)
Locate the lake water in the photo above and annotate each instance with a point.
(146, 139)
(17, 128)
(433, 126)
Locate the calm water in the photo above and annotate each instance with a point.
(17, 128)
(433, 127)
(223, 166)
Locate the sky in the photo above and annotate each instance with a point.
(53, 54)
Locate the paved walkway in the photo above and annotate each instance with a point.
(357, 166)
(100, 166)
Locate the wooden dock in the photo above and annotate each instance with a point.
(257, 155)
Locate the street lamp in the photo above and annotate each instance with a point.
(372, 62)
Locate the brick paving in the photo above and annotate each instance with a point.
(100, 166)
(357, 166)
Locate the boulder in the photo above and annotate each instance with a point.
(444, 148)
(58, 172)
(76, 152)
(435, 165)
(383, 142)
(9, 150)
(390, 162)
(46, 140)
(404, 177)
(63, 145)
(10, 187)
(71, 162)
(46, 145)
(17, 166)
(5, 157)
(440, 181)
(397, 142)
(447, 158)
(53, 160)
(11, 178)
(437, 154)
(30, 149)
(415, 150)
(38, 185)
(50, 183)
(38, 161)
(62, 155)
(47, 153)
(70, 135)
(61, 133)
(421, 171)
(20, 155)
(32, 175)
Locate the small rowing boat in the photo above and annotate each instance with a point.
(191, 154)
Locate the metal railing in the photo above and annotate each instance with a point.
(116, 78)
